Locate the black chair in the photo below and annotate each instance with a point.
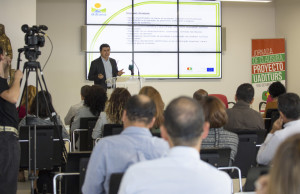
(247, 149)
(253, 174)
(271, 116)
(114, 183)
(86, 140)
(77, 162)
(218, 157)
(49, 152)
(112, 129)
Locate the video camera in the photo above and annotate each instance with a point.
(34, 39)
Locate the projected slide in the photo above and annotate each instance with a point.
(167, 39)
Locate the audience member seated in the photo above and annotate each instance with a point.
(287, 125)
(31, 94)
(73, 109)
(199, 94)
(94, 104)
(43, 117)
(275, 90)
(241, 116)
(154, 95)
(215, 114)
(114, 154)
(181, 171)
(284, 174)
(113, 112)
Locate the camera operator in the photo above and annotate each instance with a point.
(9, 145)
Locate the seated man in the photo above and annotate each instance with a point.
(116, 153)
(182, 171)
(241, 116)
(289, 110)
(73, 109)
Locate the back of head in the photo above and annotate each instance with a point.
(43, 104)
(31, 94)
(289, 105)
(84, 91)
(184, 121)
(96, 99)
(276, 89)
(140, 108)
(245, 92)
(116, 104)
(215, 111)
(156, 97)
(284, 174)
(199, 94)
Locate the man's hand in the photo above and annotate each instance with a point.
(18, 75)
(100, 76)
(121, 72)
(277, 125)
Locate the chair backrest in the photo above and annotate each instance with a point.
(74, 164)
(112, 129)
(48, 151)
(86, 140)
(114, 183)
(247, 149)
(253, 174)
(271, 116)
(218, 157)
(222, 97)
(82, 169)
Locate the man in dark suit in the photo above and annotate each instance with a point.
(104, 68)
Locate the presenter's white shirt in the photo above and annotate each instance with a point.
(180, 172)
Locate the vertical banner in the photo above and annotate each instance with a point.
(268, 65)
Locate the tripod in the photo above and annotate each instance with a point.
(34, 66)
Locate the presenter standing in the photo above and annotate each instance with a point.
(104, 68)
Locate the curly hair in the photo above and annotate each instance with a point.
(116, 105)
(154, 95)
(96, 99)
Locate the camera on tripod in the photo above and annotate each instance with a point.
(34, 39)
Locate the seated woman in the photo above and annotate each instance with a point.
(215, 114)
(275, 90)
(154, 95)
(113, 112)
(94, 104)
(43, 117)
(284, 174)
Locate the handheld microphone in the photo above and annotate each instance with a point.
(131, 68)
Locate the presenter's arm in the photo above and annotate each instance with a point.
(12, 94)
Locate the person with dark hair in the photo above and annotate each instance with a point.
(73, 109)
(241, 116)
(199, 94)
(275, 90)
(181, 171)
(9, 144)
(42, 117)
(113, 112)
(104, 68)
(94, 104)
(215, 114)
(116, 153)
(287, 125)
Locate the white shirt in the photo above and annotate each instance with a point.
(72, 112)
(268, 148)
(181, 171)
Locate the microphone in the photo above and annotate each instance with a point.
(43, 27)
(137, 69)
(131, 68)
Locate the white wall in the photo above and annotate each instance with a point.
(287, 16)
(13, 14)
(65, 73)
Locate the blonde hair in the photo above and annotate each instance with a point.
(116, 105)
(154, 95)
(285, 173)
(31, 94)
